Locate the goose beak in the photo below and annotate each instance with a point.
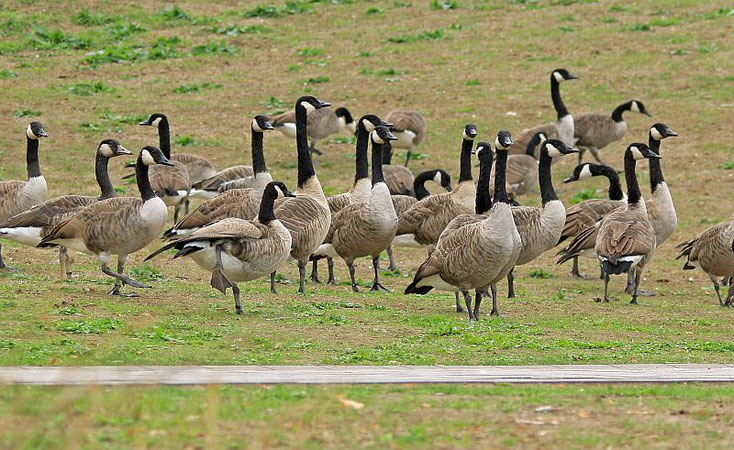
(42, 133)
(647, 113)
(267, 126)
(654, 155)
(290, 194)
(570, 179)
(165, 161)
(324, 104)
(670, 133)
(448, 188)
(390, 137)
(144, 123)
(123, 151)
(570, 150)
(572, 76)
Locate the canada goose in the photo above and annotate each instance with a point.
(117, 226)
(236, 250)
(586, 213)
(29, 227)
(409, 127)
(19, 196)
(243, 175)
(306, 216)
(422, 224)
(596, 131)
(365, 228)
(236, 203)
(475, 251)
(399, 179)
(321, 124)
(361, 188)
(562, 128)
(540, 228)
(626, 239)
(170, 182)
(713, 251)
(522, 170)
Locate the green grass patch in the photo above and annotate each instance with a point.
(237, 30)
(27, 113)
(87, 326)
(87, 89)
(443, 5)
(193, 88)
(586, 194)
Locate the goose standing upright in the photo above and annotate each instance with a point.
(540, 228)
(586, 213)
(236, 250)
(410, 129)
(625, 241)
(563, 127)
(116, 226)
(307, 216)
(237, 203)
(29, 227)
(596, 131)
(365, 228)
(522, 170)
(19, 196)
(321, 124)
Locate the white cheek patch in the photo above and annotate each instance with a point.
(156, 122)
(542, 138)
(497, 143)
(635, 107)
(256, 126)
(466, 136)
(636, 153)
(553, 151)
(280, 191)
(147, 158)
(558, 77)
(437, 178)
(29, 133)
(377, 138)
(655, 134)
(342, 122)
(309, 107)
(106, 150)
(585, 172)
(368, 126)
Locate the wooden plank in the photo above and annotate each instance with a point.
(185, 375)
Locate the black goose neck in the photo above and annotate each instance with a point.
(532, 145)
(387, 153)
(619, 110)
(419, 184)
(141, 176)
(103, 177)
(558, 104)
(547, 192)
(377, 175)
(266, 213)
(465, 160)
(31, 158)
(258, 159)
(361, 168)
(164, 137)
(615, 187)
(656, 169)
(500, 168)
(305, 164)
(633, 187)
(483, 201)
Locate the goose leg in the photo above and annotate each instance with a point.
(313, 148)
(62, 262)
(606, 287)
(601, 272)
(237, 301)
(351, 275)
(302, 276)
(2, 263)
(176, 209)
(495, 311)
(330, 264)
(511, 284)
(718, 291)
(120, 278)
(575, 269)
(581, 154)
(407, 157)
(392, 267)
(376, 285)
(315, 272)
(595, 152)
(219, 280)
(272, 283)
(638, 274)
(477, 302)
(467, 300)
(459, 308)
(730, 296)
(631, 286)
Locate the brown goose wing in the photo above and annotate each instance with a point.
(408, 120)
(283, 118)
(520, 143)
(402, 203)
(198, 168)
(167, 180)
(8, 198)
(338, 202)
(343, 217)
(225, 175)
(623, 234)
(595, 130)
(410, 219)
(586, 214)
(236, 203)
(50, 212)
(399, 180)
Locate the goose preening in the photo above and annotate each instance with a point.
(117, 226)
(596, 131)
(307, 216)
(562, 128)
(713, 252)
(586, 213)
(422, 224)
(236, 250)
(540, 228)
(29, 227)
(625, 240)
(522, 170)
(410, 129)
(399, 179)
(234, 203)
(171, 182)
(321, 124)
(239, 176)
(364, 228)
(475, 251)
(18, 196)
(361, 188)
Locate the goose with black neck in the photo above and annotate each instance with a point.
(593, 132)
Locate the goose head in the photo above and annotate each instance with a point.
(35, 131)
(278, 189)
(660, 131)
(109, 148)
(638, 107)
(370, 121)
(260, 123)
(470, 132)
(153, 155)
(503, 141)
(582, 171)
(382, 134)
(346, 121)
(561, 75)
(639, 150)
(482, 150)
(556, 147)
(311, 103)
(154, 120)
(443, 179)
